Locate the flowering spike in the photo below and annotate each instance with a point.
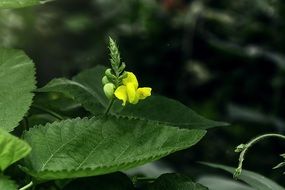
(115, 56)
(124, 85)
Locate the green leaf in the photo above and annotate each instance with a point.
(17, 80)
(175, 182)
(7, 184)
(221, 183)
(12, 149)
(8, 4)
(89, 147)
(116, 181)
(255, 180)
(85, 88)
(168, 111)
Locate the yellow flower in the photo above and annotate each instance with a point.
(130, 91)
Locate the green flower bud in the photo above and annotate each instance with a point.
(124, 75)
(122, 67)
(109, 74)
(105, 80)
(109, 90)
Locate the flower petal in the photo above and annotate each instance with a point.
(144, 92)
(131, 91)
(131, 78)
(121, 94)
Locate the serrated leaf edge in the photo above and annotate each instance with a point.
(184, 125)
(128, 164)
(33, 78)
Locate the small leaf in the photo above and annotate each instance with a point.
(7, 184)
(85, 88)
(12, 149)
(8, 4)
(115, 181)
(89, 147)
(175, 182)
(17, 80)
(255, 180)
(168, 111)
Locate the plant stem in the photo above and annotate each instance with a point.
(48, 111)
(248, 145)
(109, 106)
(27, 186)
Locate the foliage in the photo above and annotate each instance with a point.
(85, 88)
(75, 133)
(12, 149)
(222, 183)
(7, 184)
(255, 180)
(83, 147)
(107, 144)
(175, 182)
(119, 181)
(17, 80)
(130, 141)
(18, 3)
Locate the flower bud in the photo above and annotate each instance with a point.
(109, 74)
(124, 75)
(122, 67)
(109, 90)
(105, 80)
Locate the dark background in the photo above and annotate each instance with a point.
(224, 59)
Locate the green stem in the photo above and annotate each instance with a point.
(27, 186)
(246, 146)
(109, 106)
(48, 111)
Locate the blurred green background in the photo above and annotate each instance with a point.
(224, 59)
